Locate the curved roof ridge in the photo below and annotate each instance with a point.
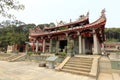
(101, 19)
(85, 18)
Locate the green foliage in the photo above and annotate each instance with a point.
(112, 40)
(112, 34)
(51, 25)
(37, 53)
(28, 48)
(63, 54)
(14, 32)
(29, 53)
(7, 5)
(63, 28)
(117, 52)
(42, 26)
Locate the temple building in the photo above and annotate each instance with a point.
(78, 37)
(112, 46)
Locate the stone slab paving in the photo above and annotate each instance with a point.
(31, 71)
(105, 65)
(105, 76)
(106, 71)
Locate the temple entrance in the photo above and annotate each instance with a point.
(62, 45)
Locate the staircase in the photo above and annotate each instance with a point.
(18, 57)
(14, 57)
(78, 65)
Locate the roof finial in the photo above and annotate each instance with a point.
(87, 14)
(57, 22)
(103, 12)
(70, 20)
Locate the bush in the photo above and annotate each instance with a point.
(56, 54)
(29, 53)
(37, 53)
(62, 54)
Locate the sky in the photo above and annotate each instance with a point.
(46, 11)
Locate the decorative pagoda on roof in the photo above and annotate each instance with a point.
(78, 37)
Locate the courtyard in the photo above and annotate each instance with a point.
(31, 71)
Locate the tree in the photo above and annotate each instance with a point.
(11, 23)
(7, 5)
(14, 32)
(52, 24)
(42, 26)
(112, 34)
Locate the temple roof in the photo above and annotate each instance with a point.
(97, 24)
(83, 19)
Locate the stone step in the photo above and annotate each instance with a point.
(79, 63)
(82, 66)
(82, 58)
(18, 57)
(12, 58)
(77, 60)
(76, 68)
(75, 71)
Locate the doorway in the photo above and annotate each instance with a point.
(62, 45)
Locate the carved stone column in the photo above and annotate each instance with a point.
(50, 46)
(83, 46)
(97, 48)
(57, 46)
(70, 45)
(37, 45)
(43, 45)
(80, 43)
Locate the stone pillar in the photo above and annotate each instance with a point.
(80, 44)
(37, 45)
(97, 48)
(67, 37)
(43, 45)
(50, 46)
(83, 46)
(57, 46)
(70, 45)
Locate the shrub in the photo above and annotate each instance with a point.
(29, 53)
(62, 54)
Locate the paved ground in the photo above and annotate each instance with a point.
(31, 71)
(105, 76)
